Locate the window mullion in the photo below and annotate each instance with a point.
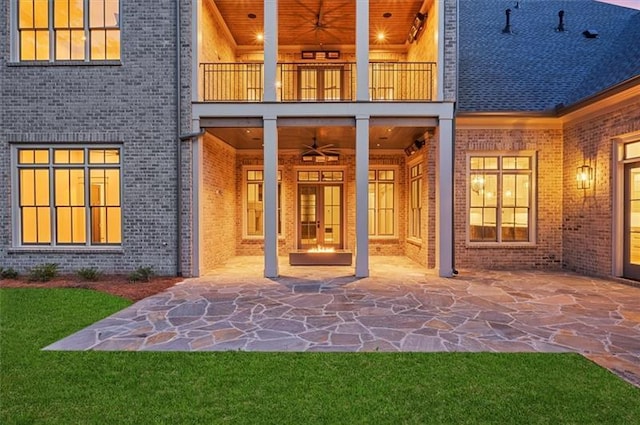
(87, 200)
(52, 201)
(499, 204)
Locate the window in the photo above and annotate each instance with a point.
(68, 30)
(254, 220)
(415, 202)
(382, 203)
(69, 196)
(500, 198)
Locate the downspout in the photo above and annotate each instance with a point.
(453, 140)
(178, 146)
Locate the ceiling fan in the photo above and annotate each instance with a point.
(324, 21)
(315, 153)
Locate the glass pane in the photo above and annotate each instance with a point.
(96, 13)
(27, 188)
(27, 45)
(62, 187)
(96, 156)
(63, 45)
(76, 13)
(77, 45)
(25, 156)
(632, 150)
(114, 225)
(42, 45)
(113, 44)
(44, 225)
(41, 13)
(26, 14)
(522, 190)
(97, 195)
(491, 190)
(372, 175)
(29, 225)
(98, 44)
(63, 226)
(112, 187)
(41, 156)
(42, 187)
(308, 229)
(509, 190)
(476, 163)
(76, 187)
(61, 13)
(491, 163)
(112, 13)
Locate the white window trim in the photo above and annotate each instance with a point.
(14, 51)
(246, 236)
(533, 210)
(396, 199)
(16, 219)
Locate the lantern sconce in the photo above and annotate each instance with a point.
(584, 176)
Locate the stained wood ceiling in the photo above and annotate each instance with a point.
(320, 23)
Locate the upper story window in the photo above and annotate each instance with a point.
(68, 30)
(500, 198)
(68, 196)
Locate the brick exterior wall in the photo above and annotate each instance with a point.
(587, 226)
(131, 103)
(547, 252)
(450, 50)
(219, 197)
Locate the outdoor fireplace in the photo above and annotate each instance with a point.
(320, 256)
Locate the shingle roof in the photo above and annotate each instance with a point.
(536, 67)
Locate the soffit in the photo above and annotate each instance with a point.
(320, 23)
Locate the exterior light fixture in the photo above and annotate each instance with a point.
(414, 147)
(584, 176)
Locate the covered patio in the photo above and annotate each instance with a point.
(399, 308)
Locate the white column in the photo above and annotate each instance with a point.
(197, 208)
(362, 50)
(362, 196)
(270, 192)
(270, 50)
(444, 199)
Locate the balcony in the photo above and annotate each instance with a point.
(319, 82)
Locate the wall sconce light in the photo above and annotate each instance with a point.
(416, 27)
(414, 147)
(584, 176)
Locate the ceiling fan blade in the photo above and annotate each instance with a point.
(326, 146)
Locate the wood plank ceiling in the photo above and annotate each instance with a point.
(320, 23)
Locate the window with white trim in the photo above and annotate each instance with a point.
(69, 196)
(500, 198)
(254, 203)
(415, 201)
(382, 202)
(68, 30)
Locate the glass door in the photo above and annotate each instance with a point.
(632, 220)
(320, 218)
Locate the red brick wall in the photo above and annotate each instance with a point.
(218, 203)
(547, 252)
(587, 226)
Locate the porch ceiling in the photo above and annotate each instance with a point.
(320, 23)
(341, 137)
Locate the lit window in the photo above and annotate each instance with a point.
(415, 202)
(254, 219)
(79, 30)
(69, 196)
(382, 203)
(500, 198)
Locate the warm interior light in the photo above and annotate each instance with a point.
(322, 249)
(381, 36)
(259, 36)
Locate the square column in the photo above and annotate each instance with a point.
(362, 196)
(362, 50)
(270, 189)
(444, 199)
(270, 50)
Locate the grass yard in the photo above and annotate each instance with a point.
(280, 388)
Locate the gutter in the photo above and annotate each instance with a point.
(178, 146)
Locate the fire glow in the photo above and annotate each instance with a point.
(322, 249)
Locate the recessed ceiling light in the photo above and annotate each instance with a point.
(380, 36)
(252, 16)
(259, 37)
(386, 15)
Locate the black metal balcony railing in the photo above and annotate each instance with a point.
(319, 82)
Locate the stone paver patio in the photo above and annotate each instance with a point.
(400, 308)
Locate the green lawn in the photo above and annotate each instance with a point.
(280, 388)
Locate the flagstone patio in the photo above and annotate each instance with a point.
(399, 308)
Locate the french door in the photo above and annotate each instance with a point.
(631, 267)
(320, 216)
